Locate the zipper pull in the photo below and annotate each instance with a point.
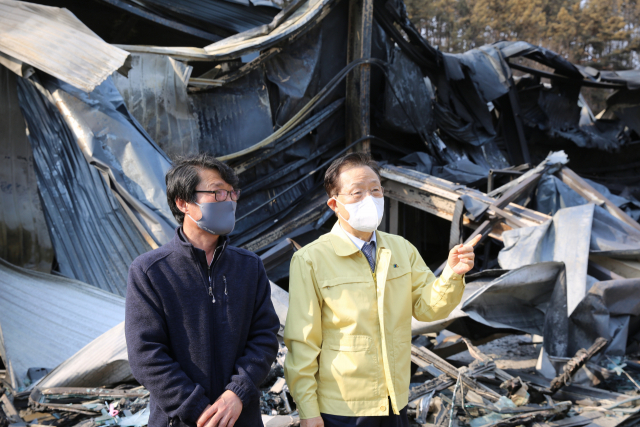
(213, 298)
(224, 278)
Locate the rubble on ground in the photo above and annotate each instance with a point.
(498, 142)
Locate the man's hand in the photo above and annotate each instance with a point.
(312, 422)
(461, 256)
(223, 413)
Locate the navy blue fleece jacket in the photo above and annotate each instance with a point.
(185, 348)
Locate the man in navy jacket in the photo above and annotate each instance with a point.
(200, 325)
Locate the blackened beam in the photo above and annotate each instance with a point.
(205, 84)
(575, 363)
(587, 191)
(278, 254)
(533, 417)
(90, 393)
(309, 214)
(359, 80)
(421, 355)
(552, 76)
(438, 197)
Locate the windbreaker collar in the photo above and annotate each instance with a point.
(342, 245)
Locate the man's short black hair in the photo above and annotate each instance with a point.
(183, 178)
(350, 160)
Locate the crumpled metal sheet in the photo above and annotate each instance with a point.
(55, 41)
(44, 319)
(484, 67)
(234, 116)
(552, 194)
(155, 93)
(610, 309)
(306, 14)
(102, 362)
(625, 106)
(295, 73)
(94, 239)
(473, 286)
(516, 300)
(556, 111)
(415, 94)
(533, 299)
(564, 238)
(570, 237)
(24, 236)
(539, 54)
(114, 143)
(608, 234)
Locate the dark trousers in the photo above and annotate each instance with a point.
(390, 420)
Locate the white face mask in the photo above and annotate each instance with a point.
(366, 214)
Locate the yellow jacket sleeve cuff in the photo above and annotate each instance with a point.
(449, 275)
(308, 409)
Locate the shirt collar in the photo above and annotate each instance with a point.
(356, 240)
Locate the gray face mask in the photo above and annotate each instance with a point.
(217, 218)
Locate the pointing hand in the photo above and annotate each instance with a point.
(461, 257)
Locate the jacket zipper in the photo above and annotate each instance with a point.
(224, 278)
(213, 298)
(210, 275)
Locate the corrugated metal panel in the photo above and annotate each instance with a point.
(102, 362)
(234, 116)
(94, 239)
(24, 236)
(155, 91)
(115, 143)
(306, 14)
(202, 14)
(55, 41)
(45, 319)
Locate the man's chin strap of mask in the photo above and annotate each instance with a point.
(218, 218)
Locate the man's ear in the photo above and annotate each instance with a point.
(182, 205)
(332, 204)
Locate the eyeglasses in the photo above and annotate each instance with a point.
(221, 195)
(359, 195)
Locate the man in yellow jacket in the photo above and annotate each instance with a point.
(352, 294)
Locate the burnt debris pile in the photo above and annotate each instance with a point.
(505, 141)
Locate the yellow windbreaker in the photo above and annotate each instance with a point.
(348, 330)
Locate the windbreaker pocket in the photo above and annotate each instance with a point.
(349, 343)
(347, 367)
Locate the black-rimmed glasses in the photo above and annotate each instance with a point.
(221, 195)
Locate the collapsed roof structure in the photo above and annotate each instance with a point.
(99, 96)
